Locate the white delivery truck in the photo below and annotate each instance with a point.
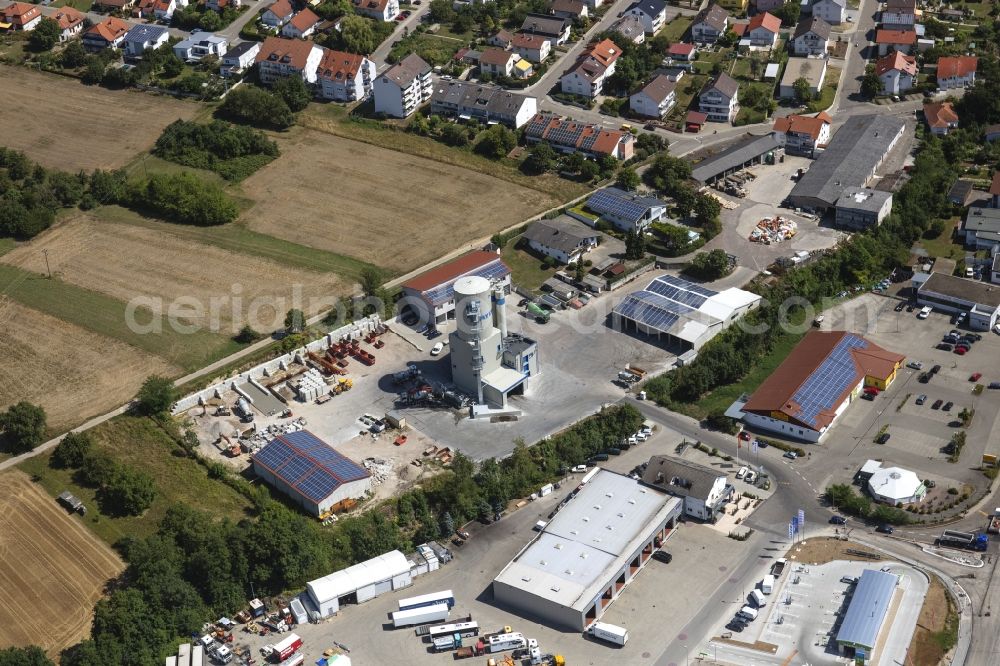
(767, 585)
(609, 633)
(748, 612)
(420, 615)
(758, 599)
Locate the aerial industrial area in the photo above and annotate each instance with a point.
(515, 332)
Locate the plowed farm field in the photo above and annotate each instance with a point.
(392, 209)
(66, 125)
(130, 262)
(52, 569)
(71, 372)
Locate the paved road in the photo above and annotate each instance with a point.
(410, 23)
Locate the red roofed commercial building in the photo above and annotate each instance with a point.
(956, 71)
(344, 77)
(803, 135)
(825, 372)
(280, 57)
(20, 16)
(895, 40)
(763, 30)
(432, 295)
(941, 117)
(570, 136)
(897, 72)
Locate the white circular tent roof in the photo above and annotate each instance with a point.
(894, 484)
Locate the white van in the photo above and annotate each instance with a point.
(758, 599)
(924, 313)
(609, 633)
(748, 612)
(767, 585)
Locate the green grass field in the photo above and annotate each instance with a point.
(140, 443)
(674, 30)
(107, 316)
(237, 238)
(6, 245)
(828, 92)
(526, 270)
(943, 245)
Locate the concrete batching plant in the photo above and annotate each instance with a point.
(486, 361)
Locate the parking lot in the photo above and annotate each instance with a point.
(918, 433)
(804, 612)
(658, 605)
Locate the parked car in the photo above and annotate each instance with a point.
(925, 377)
(838, 520)
(884, 529)
(743, 472)
(579, 468)
(994, 385)
(915, 365)
(883, 438)
(761, 443)
(899, 307)
(410, 320)
(437, 349)
(736, 626)
(975, 377)
(961, 351)
(947, 406)
(922, 398)
(936, 369)
(751, 477)
(930, 483)
(937, 404)
(944, 346)
(791, 455)
(433, 333)
(663, 556)
(868, 396)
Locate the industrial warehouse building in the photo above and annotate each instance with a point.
(825, 372)
(431, 295)
(752, 150)
(586, 555)
(310, 471)
(359, 583)
(866, 614)
(851, 159)
(951, 294)
(682, 313)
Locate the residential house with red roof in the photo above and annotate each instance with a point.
(763, 30)
(803, 135)
(897, 72)
(109, 33)
(569, 9)
(280, 57)
(70, 22)
(20, 16)
(497, 62)
(570, 136)
(956, 71)
(817, 382)
(533, 48)
(121, 6)
(219, 5)
(344, 77)
(941, 117)
(502, 39)
(594, 66)
(903, 41)
(380, 10)
(278, 14)
(302, 25)
(432, 294)
(682, 51)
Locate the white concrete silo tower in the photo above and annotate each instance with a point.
(476, 344)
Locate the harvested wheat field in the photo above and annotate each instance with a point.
(389, 208)
(73, 373)
(66, 125)
(52, 569)
(126, 262)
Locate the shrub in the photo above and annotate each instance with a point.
(233, 151)
(256, 106)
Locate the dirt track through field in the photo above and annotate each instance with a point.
(389, 208)
(63, 124)
(52, 569)
(73, 373)
(125, 262)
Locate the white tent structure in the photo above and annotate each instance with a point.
(361, 582)
(895, 485)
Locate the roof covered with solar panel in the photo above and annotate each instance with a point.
(308, 465)
(822, 371)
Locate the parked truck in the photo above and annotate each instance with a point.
(476, 650)
(966, 540)
(609, 633)
(447, 643)
(778, 567)
(540, 314)
(994, 525)
(285, 648)
(425, 630)
(420, 615)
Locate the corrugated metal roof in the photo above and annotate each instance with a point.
(733, 157)
(865, 615)
(345, 581)
(309, 466)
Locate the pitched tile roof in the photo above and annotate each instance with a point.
(940, 114)
(544, 25)
(21, 13)
(67, 17)
(813, 24)
(371, 5)
(767, 21)
(648, 7)
(818, 376)
(109, 29)
(605, 52)
(724, 84)
(502, 36)
(995, 184)
(897, 61)
(281, 8)
(681, 49)
(304, 20)
(407, 69)
(570, 133)
(795, 124)
(523, 40)
(906, 37)
(952, 66)
(339, 66)
(452, 270)
(291, 52)
(574, 7)
(659, 88)
(713, 15)
(680, 477)
(492, 55)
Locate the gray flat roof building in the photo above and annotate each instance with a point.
(585, 556)
(861, 207)
(751, 150)
(855, 152)
(866, 613)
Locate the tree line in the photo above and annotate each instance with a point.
(232, 151)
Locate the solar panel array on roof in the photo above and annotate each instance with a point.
(493, 271)
(649, 309)
(308, 464)
(681, 291)
(829, 381)
(605, 202)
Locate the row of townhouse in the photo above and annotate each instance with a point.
(568, 136)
